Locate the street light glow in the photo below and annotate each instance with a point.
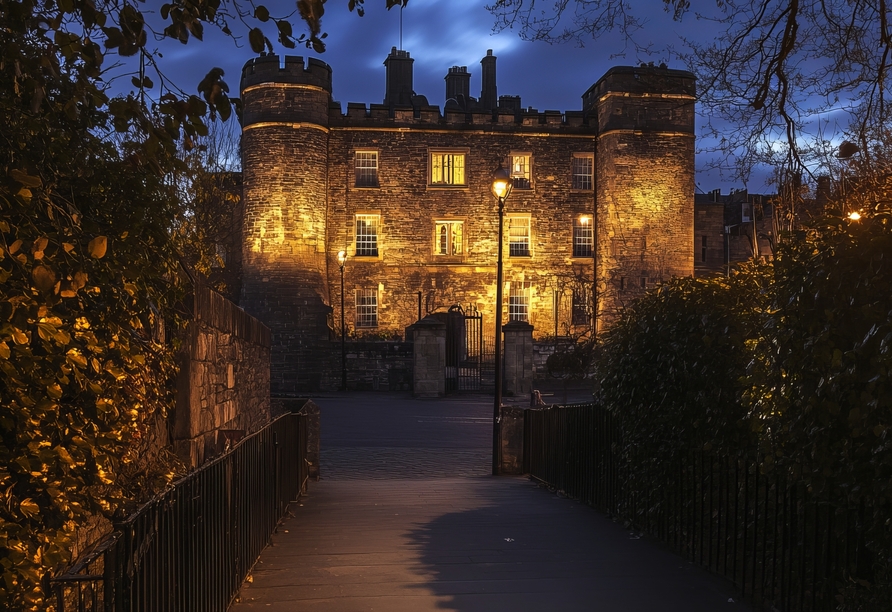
(342, 258)
(854, 216)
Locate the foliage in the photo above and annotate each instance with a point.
(671, 366)
(821, 387)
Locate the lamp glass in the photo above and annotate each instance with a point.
(501, 183)
(342, 257)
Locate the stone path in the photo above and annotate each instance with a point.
(407, 519)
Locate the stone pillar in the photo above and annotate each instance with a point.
(518, 358)
(511, 426)
(429, 358)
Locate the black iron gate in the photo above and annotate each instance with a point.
(465, 354)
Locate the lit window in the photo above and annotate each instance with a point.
(366, 308)
(583, 235)
(520, 170)
(366, 165)
(519, 302)
(581, 297)
(583, 172)
(367, 235)
(447, 168)
(448, 238)
(519, 236)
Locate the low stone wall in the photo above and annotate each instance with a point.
(223, 386)
(371, 366)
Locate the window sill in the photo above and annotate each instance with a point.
(527, 256)
(366, 187)
(444, 187)
(448, 259)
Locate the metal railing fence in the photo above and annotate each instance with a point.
(190, 548)
(785, 548)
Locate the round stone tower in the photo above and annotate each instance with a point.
(644, 180)
(285, 169)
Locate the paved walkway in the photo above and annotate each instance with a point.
(406, 518)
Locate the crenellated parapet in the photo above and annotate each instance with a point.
(361, 115)
(269, 69)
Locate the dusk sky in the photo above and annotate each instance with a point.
(443, 33)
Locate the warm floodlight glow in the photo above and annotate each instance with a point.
(501, 183)
(342, 258)
(584, 219)
(854, 216)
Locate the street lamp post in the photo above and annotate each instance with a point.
(342, 259)
(501, 188)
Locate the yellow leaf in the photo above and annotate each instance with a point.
(68, 247)
(19, 337)
(24, 193)
(23, 178)
(29, 507)
(14, 247)
(46, 331)
(97, 247)
(54, 390)
(39, 245)
(43, 278)
(80, 279)
(75, 357)
(4, 350)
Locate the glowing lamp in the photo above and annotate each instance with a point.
(584, 219)
(854, 216)
(501, 183)
(342, 258)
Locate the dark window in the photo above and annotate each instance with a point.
(703, 249)
(366, 308)
(583, 171)
(366, 165)
(581, 306)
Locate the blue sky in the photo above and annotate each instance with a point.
(443, 33)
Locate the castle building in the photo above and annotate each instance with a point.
(602, 204)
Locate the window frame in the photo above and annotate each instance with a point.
(519, 310)
(512, 218)
(443, 222)
(703, 249)
(590, 176)
(579, 228)
(432, 153)
(363, 319)
(523, 178)
(579, 307)
(376, 250)
(373, 184)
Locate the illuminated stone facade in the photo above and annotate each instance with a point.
(404, 189)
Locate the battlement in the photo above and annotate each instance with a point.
(379, 115)
(644, 79)
(270, 69)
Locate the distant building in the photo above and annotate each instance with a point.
(602, 206)
(729, 229)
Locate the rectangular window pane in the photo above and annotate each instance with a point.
(583, 171)
(448, 238)
(518, 236)
(519, 302)
(703, 249)
(366, 308)
(367, 235)
(583, 236)
(521, 171)
(581, 306)
(447, 168)
(366, 164)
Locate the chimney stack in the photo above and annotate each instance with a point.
(458, 83)
(489, 99)
(399, 89)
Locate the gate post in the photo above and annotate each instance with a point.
(518, 358)
(429, 358)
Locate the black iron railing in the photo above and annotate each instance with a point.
(785, 548)
(190, 548)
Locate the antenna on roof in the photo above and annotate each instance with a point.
(401, 26)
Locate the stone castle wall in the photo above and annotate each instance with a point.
(223, 386)
(301, 204)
